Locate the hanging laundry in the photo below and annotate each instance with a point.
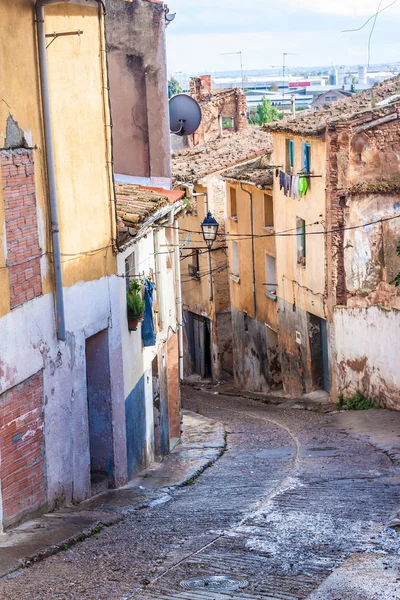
(295, 187)
(282, 176)
(148, 332)
(303, 185)
(288, 183)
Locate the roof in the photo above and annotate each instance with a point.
(255, 172)
(311, 122)
(136, 204)
(215, 156)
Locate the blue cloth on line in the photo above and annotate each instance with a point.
(149, 336)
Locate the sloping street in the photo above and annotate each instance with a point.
(290, 501)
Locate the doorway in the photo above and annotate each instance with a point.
(160, 405)
(202, 346)
(318, 339)
(99, 412)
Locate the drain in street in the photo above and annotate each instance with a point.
(214, 583)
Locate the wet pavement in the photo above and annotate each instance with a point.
(294, 509)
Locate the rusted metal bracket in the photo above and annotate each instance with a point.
(56, 35)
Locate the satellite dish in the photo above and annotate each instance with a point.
(184, 114)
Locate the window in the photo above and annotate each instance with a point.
(301, 241)
(271, 283)
(268, 211)
(306, 158)
(289, 155)
(129, 269)
(327, 98)
(194, 267)
(334, 98)
(228, 124)
(235, 260)
(232, 193)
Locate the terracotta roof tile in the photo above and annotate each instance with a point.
(136, 204)
(255, 171)
(313, 122)
(227, 151)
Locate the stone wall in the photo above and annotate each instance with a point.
(368, 350)
(256, 362)
(214, 105)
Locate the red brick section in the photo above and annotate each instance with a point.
(174, 399)
(22, 450)
(23, 251)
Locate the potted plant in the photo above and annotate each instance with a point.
(135, 304)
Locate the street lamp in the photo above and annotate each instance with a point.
(210, 229)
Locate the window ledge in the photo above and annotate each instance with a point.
(235, 219)
(234, 278)
(269, 228)
(271, 296)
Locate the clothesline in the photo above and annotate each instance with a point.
(293, 185)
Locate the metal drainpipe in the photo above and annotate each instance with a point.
(55, 227)
(179, 306)
(252, 250)
(51, 176)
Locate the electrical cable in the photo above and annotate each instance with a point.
(370, 19)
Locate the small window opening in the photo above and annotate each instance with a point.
(232, 193)
(268, 211)
(235, 259)
(271, 282)
(289, 155)
(194, 267)
(301, 241)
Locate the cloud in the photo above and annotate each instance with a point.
(350, 8)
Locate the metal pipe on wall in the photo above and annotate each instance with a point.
(51, 174)
(179, 307)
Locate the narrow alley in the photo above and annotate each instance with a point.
(291, 507)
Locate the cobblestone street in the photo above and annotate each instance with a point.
(290, 501)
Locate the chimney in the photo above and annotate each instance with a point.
(293, 102)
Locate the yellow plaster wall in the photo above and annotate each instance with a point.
(240, 228)
(79, 122)
(196, 294)
(303, 285)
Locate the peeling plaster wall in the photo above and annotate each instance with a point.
(137, 359)
(368, 350)
(256, 361)
(28, 344)
(370, 257)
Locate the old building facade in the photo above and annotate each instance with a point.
(336, 247)
(59, 306)
(148, 244)
(205, 291)
(253, 274)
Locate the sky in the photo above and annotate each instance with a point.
(264, 29)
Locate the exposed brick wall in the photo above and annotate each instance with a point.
(337, 158)
(22, 450)
(23, 251)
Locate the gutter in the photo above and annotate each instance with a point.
(50, 164)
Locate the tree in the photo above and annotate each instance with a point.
(265, 113)
(396, 280)
(274, 88)
(174, 87)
